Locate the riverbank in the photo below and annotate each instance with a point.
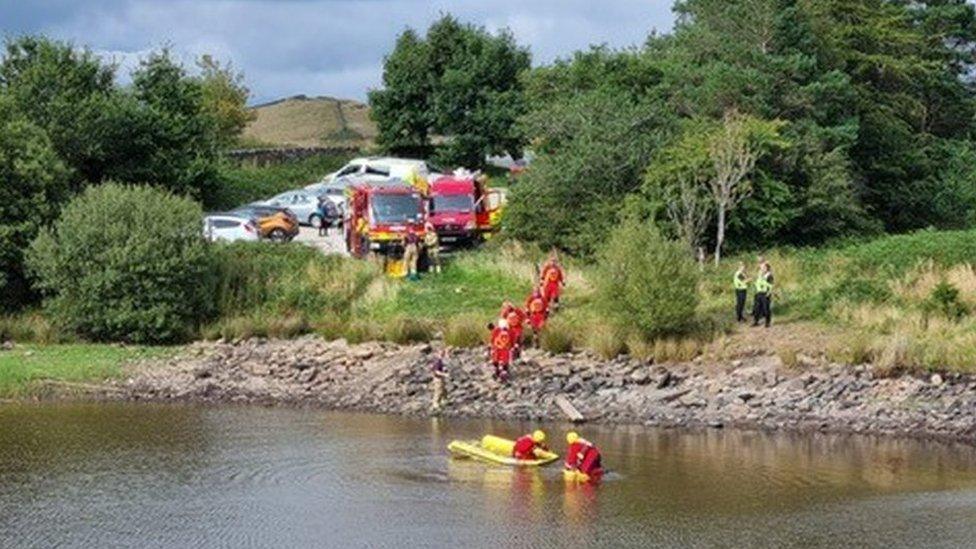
(751, 391)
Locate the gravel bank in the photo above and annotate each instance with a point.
(754, 392)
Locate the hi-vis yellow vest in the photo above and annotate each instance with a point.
(739, 281)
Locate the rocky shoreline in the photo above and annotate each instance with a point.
(752, 392)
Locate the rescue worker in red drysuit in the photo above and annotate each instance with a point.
(526, 445)
(516, 325)
(538, 310)
(552, 280)
(582, 455)
(500, 350)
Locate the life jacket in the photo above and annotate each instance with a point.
(501, 339)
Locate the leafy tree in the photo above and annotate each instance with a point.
(33, 182)
(592, 151)
(125, 263)
(65, 91)
(225, 98)
(162, 133)
(459, 82)
(402, 108)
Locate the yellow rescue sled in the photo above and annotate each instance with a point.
(494, 449)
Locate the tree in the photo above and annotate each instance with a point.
(161, 133)
(225, 98)
(459, 82)
(591, 153)
(401, 108)
(733, 150)
(33, 182)
(64, 91)
(677, 184)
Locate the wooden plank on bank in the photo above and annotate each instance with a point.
(568, 409)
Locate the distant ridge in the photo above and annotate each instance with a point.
(303, 121)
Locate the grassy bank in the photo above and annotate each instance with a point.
(903, 303)
(37, 369)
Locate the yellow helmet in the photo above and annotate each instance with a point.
(571, 437)
(539, 436)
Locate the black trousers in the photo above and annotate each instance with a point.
(763, 309)
(740, 305)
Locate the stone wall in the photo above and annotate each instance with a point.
(265, 157)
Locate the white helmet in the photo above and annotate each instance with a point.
(502, 323)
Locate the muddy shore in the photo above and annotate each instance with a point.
(755, 392)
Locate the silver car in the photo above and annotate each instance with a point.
(304, 204)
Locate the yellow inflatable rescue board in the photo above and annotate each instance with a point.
(494, 449)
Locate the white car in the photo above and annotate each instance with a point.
(303, 203)
(381, 166)
(229, 228)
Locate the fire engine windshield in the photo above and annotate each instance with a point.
(453, 203)
(397, 208)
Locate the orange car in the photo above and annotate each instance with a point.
(275, 224)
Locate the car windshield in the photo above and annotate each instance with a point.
(453, 203)
(396, 208)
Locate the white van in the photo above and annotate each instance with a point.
(380, 167)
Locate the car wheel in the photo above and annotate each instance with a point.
(278, 235)
(315, 221)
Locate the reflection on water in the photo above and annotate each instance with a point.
(137, 475)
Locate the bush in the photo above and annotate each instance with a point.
(647, 282)
(404, 329)
(605, 340)
(556, 337)
(465, 331)
(945, 300)
(124, 263)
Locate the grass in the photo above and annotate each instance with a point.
(311, 122)
(28, 369)
(847, 304)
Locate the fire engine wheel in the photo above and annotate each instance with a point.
(315, 221)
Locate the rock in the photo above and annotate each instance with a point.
(674, 394)
(716, 424)
(7, 345)
(640, 377)
(665, 379)
(203, 372)
(936, 380)
(746, 396)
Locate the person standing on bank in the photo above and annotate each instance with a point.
(740, 282)
(438, 380)
(764, 289)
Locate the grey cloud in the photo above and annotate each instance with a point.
(327, 47)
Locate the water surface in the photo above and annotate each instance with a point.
(124, 475)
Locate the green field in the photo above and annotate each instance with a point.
(32, 369)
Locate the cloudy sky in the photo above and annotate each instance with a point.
(320, 47)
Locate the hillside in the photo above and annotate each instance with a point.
(311, 121)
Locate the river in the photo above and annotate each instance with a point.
(125, 475)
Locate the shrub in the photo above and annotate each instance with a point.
(556, 337)
(465, 331)
(945, 300)
(404, 329)
(361, 330)
(30, 327)
(605, 340)
(124, 263)
(647, 282)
